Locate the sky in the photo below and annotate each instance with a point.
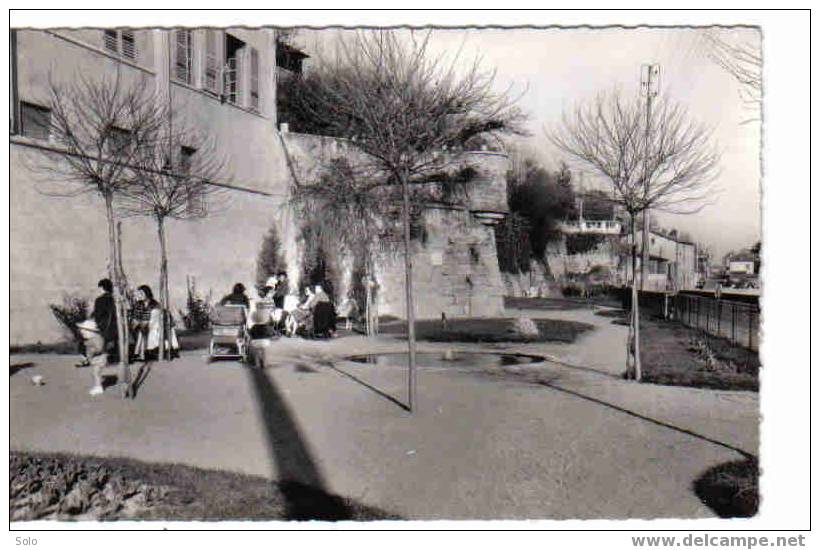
(551, 70)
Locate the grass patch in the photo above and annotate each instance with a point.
(187, 341)
(68, 487)
(60, 348)
(731, 489)
(543, 304)
(669, 357)
(495, 330)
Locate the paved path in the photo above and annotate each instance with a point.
(543, 441)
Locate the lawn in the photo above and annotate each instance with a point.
(545, 304)
(675, 355)
(66, 487)
(494, 330)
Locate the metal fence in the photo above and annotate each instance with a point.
(738, 322)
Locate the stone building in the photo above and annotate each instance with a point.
(225, 80)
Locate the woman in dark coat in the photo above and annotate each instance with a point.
(105, 315)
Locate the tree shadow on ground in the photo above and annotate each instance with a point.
(299, 478)
(17, 367)
(109, 380)
(374, 389)
(730, 489)
(139, 379)
(550, 384)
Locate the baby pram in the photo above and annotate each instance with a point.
(229, 333)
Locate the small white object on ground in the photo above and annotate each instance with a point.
(37, 380)
(525, 326)
(411, 452)
(96, 390)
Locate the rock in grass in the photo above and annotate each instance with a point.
(525, 326)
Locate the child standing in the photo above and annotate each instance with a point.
(94, 345)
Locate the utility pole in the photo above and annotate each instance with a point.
(649, 81)
(650, 74)
(408, 286)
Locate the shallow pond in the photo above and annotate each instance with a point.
(444, 359)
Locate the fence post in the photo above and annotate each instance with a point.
(708, 309)
(718, 316)
(750, 328)
(734, 309)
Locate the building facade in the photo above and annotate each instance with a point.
(588, 249)
(672, 263)
(225, 81)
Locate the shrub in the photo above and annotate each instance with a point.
(583, 242)
(270, 261)
(571, 290)
(198, 316)
(73, 310)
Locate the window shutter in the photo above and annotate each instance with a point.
(232, 79)
(254, 79)
(129, 46)
(182, 56)
(111, 41)
(211, 73)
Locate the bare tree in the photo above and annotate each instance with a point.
(404, 111)
(98, 128)
(172, 177)
(741, 57)
(664, 162)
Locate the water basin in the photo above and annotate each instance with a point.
(445, 359)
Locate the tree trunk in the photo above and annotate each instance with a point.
(163, 352)
(644, 248)
(119, 305)
(408, 286)
(633, 361)
(368, 306)
(123, 283)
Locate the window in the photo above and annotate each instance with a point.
(232, 75)
(210, 80)
(254, 79)
(120, 42)
(118, 140)
(289, 58)
(186, 155)
(183, 56)
(35, 121)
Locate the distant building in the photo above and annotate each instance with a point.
(741, 263)
(672, 262)
(588, 248)
(591, 227)
(703, 266)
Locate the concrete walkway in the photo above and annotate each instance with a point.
(541, 441)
